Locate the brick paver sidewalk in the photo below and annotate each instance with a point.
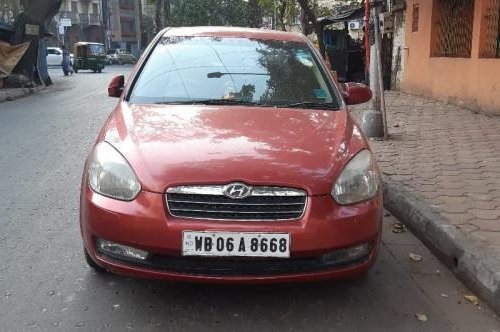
(447, 155)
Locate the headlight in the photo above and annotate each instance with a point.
(358, 181)
(111, 175)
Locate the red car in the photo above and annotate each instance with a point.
(231, 157)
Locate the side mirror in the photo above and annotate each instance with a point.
(115, 87)
(356, 93)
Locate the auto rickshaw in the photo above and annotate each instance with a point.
(89, 56)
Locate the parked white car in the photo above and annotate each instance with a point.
(55, 56)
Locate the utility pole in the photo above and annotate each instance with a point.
(373, 121)
(106, 18)
(367, 41)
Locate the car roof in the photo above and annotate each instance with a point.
(236, 33)
(88, 43)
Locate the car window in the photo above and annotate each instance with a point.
(111, 51)
(265, 72)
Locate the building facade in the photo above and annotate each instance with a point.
(125, 25)
(452, 52)
(80, 20)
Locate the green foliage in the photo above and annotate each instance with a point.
(209, 12)
(233, 12)
(9, 9)
(267, 6)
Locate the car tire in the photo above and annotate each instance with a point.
(99, 70)
(92, 263)
(76, 70)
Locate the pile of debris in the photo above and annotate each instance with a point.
(10, 56)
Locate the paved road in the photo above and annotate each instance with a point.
(46, 286)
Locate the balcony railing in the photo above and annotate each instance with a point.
(71, 15)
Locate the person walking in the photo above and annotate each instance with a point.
(66, 64)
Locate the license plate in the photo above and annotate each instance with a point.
(232, 244)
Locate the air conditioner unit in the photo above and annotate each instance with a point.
(354, 25)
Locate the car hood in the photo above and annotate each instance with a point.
(170, 145)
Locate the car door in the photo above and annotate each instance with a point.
(129, 57)
(54, 57)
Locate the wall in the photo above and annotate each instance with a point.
(471, 82)
(398, 49)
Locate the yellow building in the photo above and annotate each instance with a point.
(452, 52)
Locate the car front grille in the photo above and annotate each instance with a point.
(210, 202)
(220, 266)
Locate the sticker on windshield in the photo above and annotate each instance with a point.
(320, 93)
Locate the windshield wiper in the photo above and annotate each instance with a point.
(312, 105)
(218, 74)
(213, 102)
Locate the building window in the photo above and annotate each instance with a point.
(489, 46)
(126, 4)
(452, 28)
(84, 8)
(74, 6)
(128, 27)
(415, 17)
(95, 8)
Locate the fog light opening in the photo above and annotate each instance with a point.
(347, 255)
(115, 249)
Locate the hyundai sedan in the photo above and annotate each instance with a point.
(231, 157)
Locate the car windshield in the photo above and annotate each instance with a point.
(111, 51)
(96, 49)
(233, 70)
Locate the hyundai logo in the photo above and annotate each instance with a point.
(237, 190)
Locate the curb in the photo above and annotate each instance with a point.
(477, 266)
(13, 94)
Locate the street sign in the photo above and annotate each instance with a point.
(65, 22)
(32, 30)
(61, 30)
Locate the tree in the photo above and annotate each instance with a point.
(286, 11)
(255, 13)
(282, 6)
(39, 13)
(310, 23)
(209, 12)
(158, 16)
(166, 12)
(9, 9)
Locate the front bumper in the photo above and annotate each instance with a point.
(145, 224)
